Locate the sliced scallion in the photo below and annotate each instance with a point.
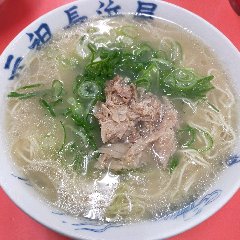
(48, 106)
(22, 95)
(190, 134)
(64, 136)
(208, 140)
(173, 163)
(88, 90)
(57, 87)
(213, 107)
(29, 86)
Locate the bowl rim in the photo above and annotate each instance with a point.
(217, 206)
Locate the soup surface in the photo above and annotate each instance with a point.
(121, 119)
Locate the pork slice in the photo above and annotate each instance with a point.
(139, 119)
(112, 157)
(170, 119)
(103, 161)
(141, 144)
(147, 108)
(119, 113)
(101, 112)
(164, 147)
(112, 131)
(113, 114)
(163, 138)
(113, 121)
(116, 150)
(119, 92)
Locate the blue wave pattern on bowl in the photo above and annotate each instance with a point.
(233, 159)
(195, 207)
(88, 224)
(42, 35)
(25, 180)
(95, 228)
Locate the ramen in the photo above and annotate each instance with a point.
(120, 119)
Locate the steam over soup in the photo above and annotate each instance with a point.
(120, 119)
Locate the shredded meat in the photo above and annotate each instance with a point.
(133, 121)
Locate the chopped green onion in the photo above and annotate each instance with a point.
(188, 131)
(88, 90)
(191, 134)
(83, 135)
(146, 76)
(185, 83)
(208, 140)
(176, 52)
(22, 95)
(72, 101)
(173, 163)
(213, 107)
(128, 31)
(93, 50)
(92, 47)
(48, 106)
(82, 48)
(76, 83)
(76, 108)
(64, 136)
(30, 86)
(55, 103)
(77, 162)
(173, 50)
(57, 87)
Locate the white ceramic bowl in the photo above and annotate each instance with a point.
(19, 189)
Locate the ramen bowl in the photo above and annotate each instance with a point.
(20, 189)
